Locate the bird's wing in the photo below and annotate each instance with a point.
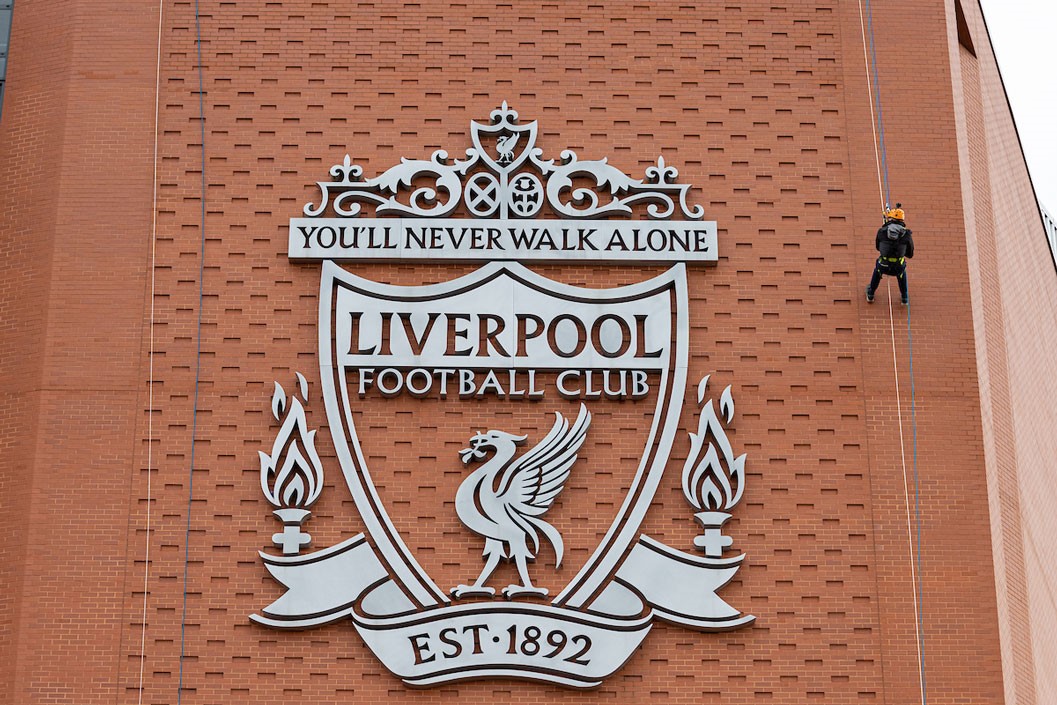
(510, 141)
(531, 483)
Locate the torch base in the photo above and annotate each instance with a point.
(712, 542)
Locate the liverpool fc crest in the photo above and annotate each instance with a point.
(557, 399)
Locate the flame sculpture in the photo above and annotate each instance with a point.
(292, 476)
(713, 479)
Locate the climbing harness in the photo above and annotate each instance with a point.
(881, 159)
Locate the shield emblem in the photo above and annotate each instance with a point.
(375, 338)
(513, 143)
(507, 350)
(503, 326)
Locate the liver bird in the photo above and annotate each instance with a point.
(505, 146)
(504, 499)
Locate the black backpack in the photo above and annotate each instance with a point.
(895, 244)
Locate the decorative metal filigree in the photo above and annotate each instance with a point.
(351, 190)
(492, 183)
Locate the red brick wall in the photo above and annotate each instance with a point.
(959, 618)
(1014, 289)
(763, 108)
(75, 168)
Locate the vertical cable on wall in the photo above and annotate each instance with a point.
(150, 376)
(198, 347)
(877, 97)
(881, 158)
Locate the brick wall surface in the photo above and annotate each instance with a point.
(762, 106)
(75, 164)
(1012, 304)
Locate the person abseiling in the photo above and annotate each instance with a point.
(895, 244)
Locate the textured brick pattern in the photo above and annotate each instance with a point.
(763, 107)
(1013, 305)
(999, 437)
(75, 212)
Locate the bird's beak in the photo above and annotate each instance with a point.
(474, 452)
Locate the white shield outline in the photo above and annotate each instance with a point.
(601, 567)
(504, 125)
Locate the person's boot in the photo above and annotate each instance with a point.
(869, 296)
(905, 300)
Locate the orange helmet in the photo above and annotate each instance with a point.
(895, 214)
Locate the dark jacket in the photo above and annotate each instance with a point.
(893, 243)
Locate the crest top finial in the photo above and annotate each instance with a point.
(505, 175)
(504, 114)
